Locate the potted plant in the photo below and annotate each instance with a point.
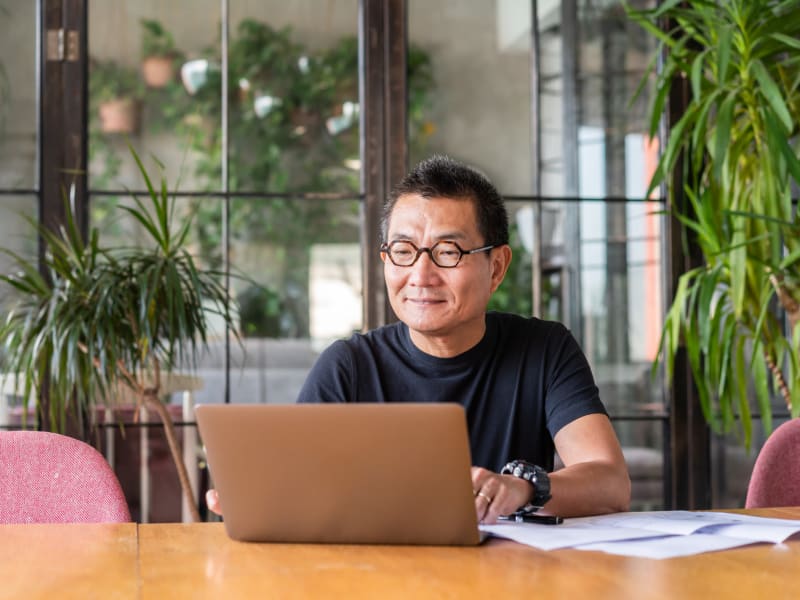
(736, 146)
(99, 320)
(159, 54)
(115, 91)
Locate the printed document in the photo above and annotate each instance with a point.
(657, 534)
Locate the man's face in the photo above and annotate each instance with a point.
(443, 308)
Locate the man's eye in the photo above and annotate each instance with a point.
(447, 253)
(402, 252)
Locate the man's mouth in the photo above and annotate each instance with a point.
(424, 301)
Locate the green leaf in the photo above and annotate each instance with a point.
(790, 259)
(724, 50)
(787, 40)
(772, 93)
(722, 133)
(745, 417)
(738, 271)
(759, 369)
(726, 352)
(696, 77)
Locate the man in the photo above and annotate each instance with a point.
(525, 384)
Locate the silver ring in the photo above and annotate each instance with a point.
(485, 497)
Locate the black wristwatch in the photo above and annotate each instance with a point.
(537, 476)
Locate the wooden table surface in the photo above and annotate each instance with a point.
(69, 561)
(178, 560)
(200, 561)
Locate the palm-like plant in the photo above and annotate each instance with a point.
(736, 149)
(97, 320)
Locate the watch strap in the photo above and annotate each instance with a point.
(537, 476)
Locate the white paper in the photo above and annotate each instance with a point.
(668, 546)
(566, 535)
(657, 534)
(682, 522)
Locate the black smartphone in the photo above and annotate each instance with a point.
(532, 518)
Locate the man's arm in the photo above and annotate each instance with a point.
(594, 480)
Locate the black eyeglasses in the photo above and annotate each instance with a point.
(444, 254)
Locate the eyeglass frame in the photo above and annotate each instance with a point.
(387, 249)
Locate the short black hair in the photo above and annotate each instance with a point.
(441, 176)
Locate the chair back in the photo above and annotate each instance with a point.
(52, 478)
(776, 474)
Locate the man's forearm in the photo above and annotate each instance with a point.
(589, 488)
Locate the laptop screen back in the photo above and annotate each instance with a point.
(342, 473)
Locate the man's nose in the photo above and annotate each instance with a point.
(424, 267)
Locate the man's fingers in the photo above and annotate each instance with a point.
(212, 501)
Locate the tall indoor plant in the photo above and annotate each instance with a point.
(99, 319)
(736, 151)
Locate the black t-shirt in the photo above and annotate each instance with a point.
(519, 385)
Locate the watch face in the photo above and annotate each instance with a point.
(537, 476)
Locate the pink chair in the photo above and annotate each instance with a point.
(776, 474)
(51, 478)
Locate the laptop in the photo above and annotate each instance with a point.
(342, 473)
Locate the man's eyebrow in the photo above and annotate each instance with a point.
(452, 235)
(449, 235)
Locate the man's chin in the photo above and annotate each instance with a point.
(428, 327)
(423, 316)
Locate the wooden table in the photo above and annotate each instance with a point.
(69, 561)
(200, 561)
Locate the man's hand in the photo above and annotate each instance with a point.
(212, 501)
(497, 495)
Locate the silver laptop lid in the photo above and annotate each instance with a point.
(342, 473)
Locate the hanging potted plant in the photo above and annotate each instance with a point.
(115, 92)
(159, 54)
(104, 319)
(736, 147)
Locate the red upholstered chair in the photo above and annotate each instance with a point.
(51, 478)
(776, 474)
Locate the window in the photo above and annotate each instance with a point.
(283, 173)
(550, 125)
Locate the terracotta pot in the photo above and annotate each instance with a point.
(119, 116)
(158, 71)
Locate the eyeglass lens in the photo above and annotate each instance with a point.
(444, 253)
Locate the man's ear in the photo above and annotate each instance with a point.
(501, 260)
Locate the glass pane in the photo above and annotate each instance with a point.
(20, 237)
(293, 94)
(591, 64)
(18, 101)
(18, 234)
(594, 147)
(621, 301)
(515, 294)
(154, 83)
(476, 107)
(643, 446)
(300, 289)
(294, 105)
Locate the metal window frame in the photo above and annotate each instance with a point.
(383, 32)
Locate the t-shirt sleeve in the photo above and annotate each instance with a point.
(571, 389)
(330, 379)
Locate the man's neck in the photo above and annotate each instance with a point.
(450, 344)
